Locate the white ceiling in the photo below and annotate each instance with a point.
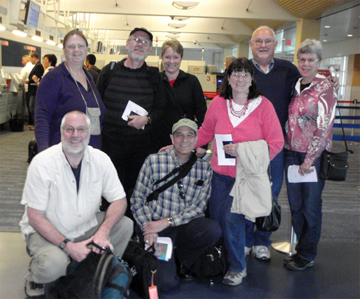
(213, 24)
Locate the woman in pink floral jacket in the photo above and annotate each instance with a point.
(308, 133)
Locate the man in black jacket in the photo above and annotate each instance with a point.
(91, 68)
(34, 77)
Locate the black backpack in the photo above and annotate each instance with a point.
(16, 123)
(32, 149)
(97, 276)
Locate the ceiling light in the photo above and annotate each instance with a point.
(185, 5)
(60, 46)
(176, 25)
(50, 42)
(181, 19)
(2, 28)
(173, 36)
(37, 38)
(324, 40)
(327, 26)
(19, 33)
(349, 35)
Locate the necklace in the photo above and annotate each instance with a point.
(241, 112)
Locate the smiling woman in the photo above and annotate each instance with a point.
(68, 87)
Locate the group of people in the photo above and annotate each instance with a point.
(31, 75)
(132, 112)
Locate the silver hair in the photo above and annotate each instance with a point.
(311, 46)
(88, 123)
(264, 27)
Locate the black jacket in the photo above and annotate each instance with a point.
(37, 70)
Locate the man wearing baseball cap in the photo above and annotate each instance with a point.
(178, 211)
(126, 137)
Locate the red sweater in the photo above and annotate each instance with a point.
(262, 123)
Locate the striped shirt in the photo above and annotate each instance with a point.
(196, 188)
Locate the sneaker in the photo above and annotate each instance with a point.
(299, 264)
(247, 251)
(261, 253)
(33, 289)
(31, 128)
(289, 259)
(234, 278)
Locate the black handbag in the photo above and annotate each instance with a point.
(334, 166)
(271, 222)
(142, 263)
(212, 262)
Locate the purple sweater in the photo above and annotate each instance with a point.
(57, 95)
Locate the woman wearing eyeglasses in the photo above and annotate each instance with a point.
(308, 133)
(243, 113)
(66, 88)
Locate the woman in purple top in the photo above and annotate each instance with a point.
(68, 87)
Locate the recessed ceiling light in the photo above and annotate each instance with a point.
(60, 46)
(37, 38)
(324, 40)
(349, 35)
(2, 28)
(185, 5)
(51, 43)
(19, 33)
(327, 26)
(176, 25)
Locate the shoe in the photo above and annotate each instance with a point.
(234, 278)
(261, 253)
(31, 128)
(289, 259)
(185, 274)
(33, 289)
(247, 251)
(299, 264)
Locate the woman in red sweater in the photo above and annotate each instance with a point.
(243, 113)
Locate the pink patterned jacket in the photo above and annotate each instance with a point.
(311, 117)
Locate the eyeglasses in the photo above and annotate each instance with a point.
(137, 40)
(259, 42)
(243, 75)
(181, 191)
(310, 60)
(71, 130)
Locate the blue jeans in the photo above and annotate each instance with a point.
(305, 205)
(232, 225)
(256, 237)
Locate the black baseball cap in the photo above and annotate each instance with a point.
(143, 30)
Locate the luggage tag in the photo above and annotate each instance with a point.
(94, 115)
(153, 293)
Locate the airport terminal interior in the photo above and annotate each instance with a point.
(209, 31)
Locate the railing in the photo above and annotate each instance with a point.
(352, 125)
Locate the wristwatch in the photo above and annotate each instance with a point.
(149, 120)
(171, 221)
(63, 244)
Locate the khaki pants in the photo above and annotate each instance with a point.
(49, 262)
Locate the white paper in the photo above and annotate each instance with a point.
(133, 107)
(164, 248)
(222, 160)
(295, 177)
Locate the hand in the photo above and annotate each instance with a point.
(35, 78)
(166, 148)
(200, 152)
(101, 239)
(231, 149)
(155, 226)
(151, 239)
(78, 251)
(305, 169)
(137, 121)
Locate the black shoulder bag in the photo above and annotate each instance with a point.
(183, 171)
(334, 166)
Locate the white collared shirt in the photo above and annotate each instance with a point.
(50, 186)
